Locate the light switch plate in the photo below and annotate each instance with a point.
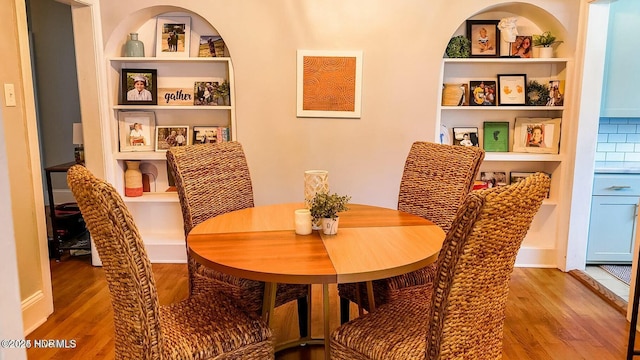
(9, 95)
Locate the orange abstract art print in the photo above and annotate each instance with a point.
(329, 84)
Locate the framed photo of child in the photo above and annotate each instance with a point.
(537, 135)
(136, 130)
(485, 38)
(139, 87)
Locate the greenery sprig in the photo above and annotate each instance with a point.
(324, 205)
(537, 94)
(545, 40)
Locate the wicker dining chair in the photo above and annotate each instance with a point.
(213, 179)
(435, 182)
(204, 326)
(459, 315)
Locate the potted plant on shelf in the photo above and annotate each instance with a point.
(545, 43)
(326, 206)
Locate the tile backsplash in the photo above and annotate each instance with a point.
(618, 139)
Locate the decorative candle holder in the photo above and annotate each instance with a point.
(315, 181)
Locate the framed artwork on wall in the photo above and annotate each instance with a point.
(512, 89)
(139, 87)
(485, 37)
(136, 130)
(173, 36)
(329, 83)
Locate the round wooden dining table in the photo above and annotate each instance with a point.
(260, 244)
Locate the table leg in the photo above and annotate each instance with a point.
(269, 302)
(372, 301)
(327, 330)
(359, 300)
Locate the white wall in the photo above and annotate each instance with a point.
(403, 44)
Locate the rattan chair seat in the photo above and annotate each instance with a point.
(460, 315)
(435, 182)
(214, 179)
(205, 326)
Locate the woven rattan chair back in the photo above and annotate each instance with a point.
(474, 268)
(125, 263)
(436, 180)
(211, 179)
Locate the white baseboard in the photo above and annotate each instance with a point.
(35, 312)
(536, 258)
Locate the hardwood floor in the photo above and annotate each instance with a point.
(550, 315)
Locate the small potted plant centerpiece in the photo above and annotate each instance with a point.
(545, 43)
(326, 206)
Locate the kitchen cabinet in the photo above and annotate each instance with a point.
(622, 70)
(614, 209)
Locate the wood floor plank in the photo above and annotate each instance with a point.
(550, 315)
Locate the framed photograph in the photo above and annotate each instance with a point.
(329, 83)
(453, 94)
(496, 136)
(210, 134)
(537, 135)
(516, 176)
(512, 89)
(494, 178)
(138, 87)
(465, 136)
(556, 93)
(211, 46)
(173, 36)
(204, 93)
(482, 93)
(169, 136)
(485, 37)
(522, 47)
(136, 130)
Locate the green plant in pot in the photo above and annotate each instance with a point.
(545, 41)
(326, 206)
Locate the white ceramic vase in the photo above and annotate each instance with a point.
(330, 226)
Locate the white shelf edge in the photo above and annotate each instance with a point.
(152, 197)
(162, 107)
(511, 156)
(168, 59)
(506, 60)
(502, 108)
(547, 202)
(140, 155)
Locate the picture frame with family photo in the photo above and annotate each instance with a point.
(537, 135)
(465, 136)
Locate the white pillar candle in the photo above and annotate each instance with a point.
(303, 221)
